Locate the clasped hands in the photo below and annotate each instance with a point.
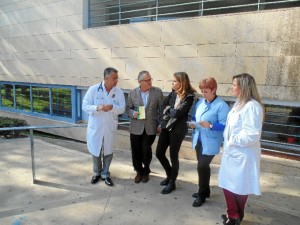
(104, 108)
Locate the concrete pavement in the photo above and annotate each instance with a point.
(63, 194)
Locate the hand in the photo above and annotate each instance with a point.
(192, 124)
(136, 114)
(205, 124)
(99, 108)
(158, 130)
(107, 108)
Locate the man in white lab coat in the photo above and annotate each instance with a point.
(103, 102)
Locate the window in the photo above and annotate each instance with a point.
(23, 97)
(55, 102)
(41, 99)
(7, 95)
(112, 12)
(281, 128)
(61, 102)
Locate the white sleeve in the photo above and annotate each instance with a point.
(88, 102)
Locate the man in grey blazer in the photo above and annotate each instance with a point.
(144, 110)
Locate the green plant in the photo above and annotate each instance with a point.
(6, 122)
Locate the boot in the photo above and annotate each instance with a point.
(169, 188)
(165, 182)
(198, 201)
(206, 194)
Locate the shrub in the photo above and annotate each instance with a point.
(11, 122)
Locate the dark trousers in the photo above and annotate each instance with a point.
(141, 152)
(203, 169)
(166, 139)
(235, 204)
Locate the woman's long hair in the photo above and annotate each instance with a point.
(185, 83)
(248, 90)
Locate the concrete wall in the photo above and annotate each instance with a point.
(45, 42)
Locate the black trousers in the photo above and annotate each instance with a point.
(141, 152)
(203, 169)
(166, 139)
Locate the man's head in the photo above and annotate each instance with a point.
(145, 80)
(110, 77)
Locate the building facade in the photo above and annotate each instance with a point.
(52, 50)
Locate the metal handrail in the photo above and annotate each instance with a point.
(31, 128)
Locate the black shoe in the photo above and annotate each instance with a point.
(95, 179)
(165, 182)
(198, 201)
(230, 221)
(108, 181)
(145, 178)
(206, 194)
(169, 188)
(224, 217)
(195, 195)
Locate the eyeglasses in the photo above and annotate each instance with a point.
(149, 80)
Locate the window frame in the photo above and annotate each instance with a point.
(75, 114)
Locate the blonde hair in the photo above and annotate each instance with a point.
(248, 90)
(185, 84)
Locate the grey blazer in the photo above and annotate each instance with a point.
(153, 111)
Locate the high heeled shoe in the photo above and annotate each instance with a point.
(224, 217)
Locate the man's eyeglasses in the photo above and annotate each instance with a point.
(149, 80)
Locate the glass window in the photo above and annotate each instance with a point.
(61, 102)
(178, 9)
(41, 100)
(282, 125)
(23, 97)
(7, 95)
(112, 12)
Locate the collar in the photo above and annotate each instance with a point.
(208, 103)
(100, 87)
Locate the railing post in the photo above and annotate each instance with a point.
(32, 156)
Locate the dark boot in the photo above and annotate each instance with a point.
(165, 182)
(198, 201)
(169, 188)
(205, 193)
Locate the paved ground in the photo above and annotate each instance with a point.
(63, 194)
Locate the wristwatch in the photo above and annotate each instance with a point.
(210, 125)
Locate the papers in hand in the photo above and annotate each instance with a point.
(142, 114)
(196, 124)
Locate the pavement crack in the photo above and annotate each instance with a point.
(103, 213)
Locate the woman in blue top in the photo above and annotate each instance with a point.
(209, 119)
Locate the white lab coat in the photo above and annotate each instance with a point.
(102, 126)
(240, 165)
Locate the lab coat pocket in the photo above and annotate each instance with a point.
(236, 155)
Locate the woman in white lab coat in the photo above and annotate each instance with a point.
(103, 102)
(240, 166)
